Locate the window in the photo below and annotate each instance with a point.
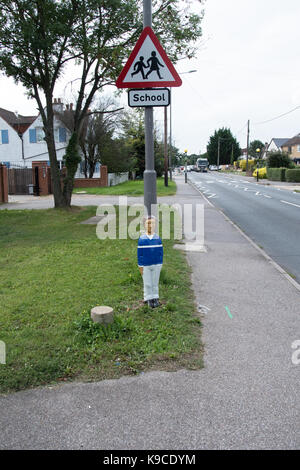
(40, 134)
(32, 136)
(4, 137)
(62, 134)
(36, 135)
(298, 148)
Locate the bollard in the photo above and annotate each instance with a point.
(103, 314)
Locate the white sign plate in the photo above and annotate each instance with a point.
(154, 97)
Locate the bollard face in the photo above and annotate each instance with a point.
(102, 314)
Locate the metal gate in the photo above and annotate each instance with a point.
(18, 180)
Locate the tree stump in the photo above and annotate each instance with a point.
(103, 314)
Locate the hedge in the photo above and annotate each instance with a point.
(293, 176)
(276, 174)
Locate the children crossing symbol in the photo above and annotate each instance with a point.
(148, 65)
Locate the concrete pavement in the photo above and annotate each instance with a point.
(246, 397)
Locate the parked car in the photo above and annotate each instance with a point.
(213, 167)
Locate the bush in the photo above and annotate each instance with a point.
(276, 174)
(279, 160)
(293, 175)
(262, 173)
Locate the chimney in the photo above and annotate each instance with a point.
(57, 105)
(67, 107)
(71, 106)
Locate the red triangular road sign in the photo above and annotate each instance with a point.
(148, 65)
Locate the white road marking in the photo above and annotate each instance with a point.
(211, 196)
(290, 203)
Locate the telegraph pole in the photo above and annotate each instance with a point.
(248, 132)
(150, 197)
(218, 163)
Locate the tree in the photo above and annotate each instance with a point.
(228, 147)
(134, 143)
(254, 145)
(96, 135)
(34, 44)
(39, 37)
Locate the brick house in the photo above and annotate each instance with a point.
(292, 147)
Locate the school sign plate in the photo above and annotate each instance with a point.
(152, 97)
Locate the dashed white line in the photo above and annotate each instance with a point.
(290, 203)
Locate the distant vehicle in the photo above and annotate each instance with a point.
(202, 165)
(213, 167)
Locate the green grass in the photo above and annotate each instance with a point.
(131, 188)
(53, 271)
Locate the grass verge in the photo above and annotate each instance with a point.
(53, 271)
(131, 188)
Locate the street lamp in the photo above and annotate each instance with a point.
(257, 168)
(170, 155)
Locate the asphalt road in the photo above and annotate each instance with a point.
(270, 216)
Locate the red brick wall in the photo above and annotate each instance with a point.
(44, 177)
(92, 182)
(3, 184)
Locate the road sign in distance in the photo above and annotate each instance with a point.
(154, 97)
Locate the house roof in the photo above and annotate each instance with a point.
(279, 141)
(18, 122)
(293, 141)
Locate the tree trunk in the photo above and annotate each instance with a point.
(59, 200)
(68, 189)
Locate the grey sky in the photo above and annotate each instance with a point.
(247, 68)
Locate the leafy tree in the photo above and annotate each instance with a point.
(228, 147)
(134, 143)
(39, 37)
(255, 144)
(279, 160)
(34, 44)
(96, 135)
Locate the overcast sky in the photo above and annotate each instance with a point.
(247, 66)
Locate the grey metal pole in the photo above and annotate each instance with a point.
(150, 197)
(218, 163)
(170, 156)
(166, 144)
